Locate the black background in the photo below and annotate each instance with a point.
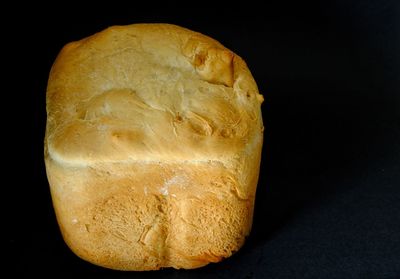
(328, 199)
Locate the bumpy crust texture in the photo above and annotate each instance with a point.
(152, 147)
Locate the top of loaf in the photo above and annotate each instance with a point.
(150, 92)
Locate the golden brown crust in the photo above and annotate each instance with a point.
(152, 148)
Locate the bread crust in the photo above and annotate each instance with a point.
(152, 147)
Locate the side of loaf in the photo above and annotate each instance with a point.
(152, 147)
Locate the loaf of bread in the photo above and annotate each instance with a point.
(152, 147)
